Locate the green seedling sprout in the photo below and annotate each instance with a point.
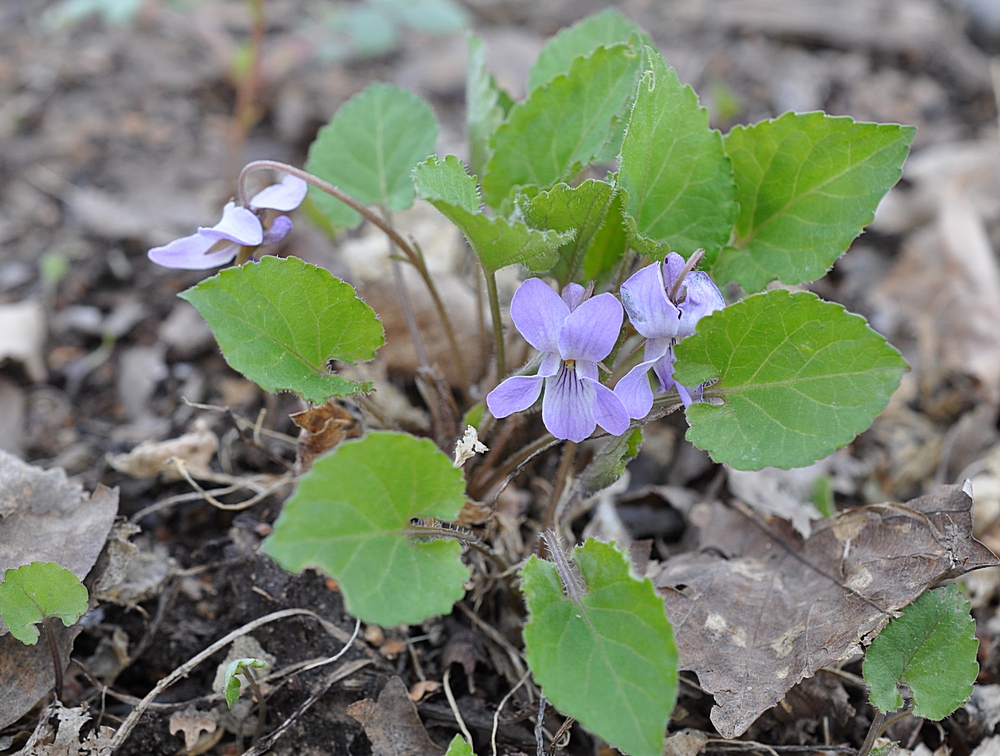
(41, 592)
(244, 667)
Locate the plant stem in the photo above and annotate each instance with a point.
(411, 254)
(491, 290)
(516, 460)
(873, 733)
(261, 704)
(50, 637)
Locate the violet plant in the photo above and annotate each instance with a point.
(683, 214)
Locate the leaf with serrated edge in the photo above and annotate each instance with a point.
(800, 377)
(673, 166)
(497, 242)
(585, 208)
(563, 125)
(807, 184)
(281, 321)
(351, 517)
(607, 659)
(38, 591)
(369, 149)
(483, 111)
(932, 649)
(602, 29)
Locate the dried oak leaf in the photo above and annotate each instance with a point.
(392, 723)
(765, 608)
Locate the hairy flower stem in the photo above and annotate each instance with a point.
(411, 254)
(50, 637)
(491, 290)
(513, 463)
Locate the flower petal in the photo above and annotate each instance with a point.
(568, 405)
(192, 253)
(237, 225)
(515, 394)
(609, 411)
(673, 264)
(572, 295)
(280, 228)
(702, 298)
(634, 391)
(551, 363)
(285, 196)
(538, 313)
(645, 298)
(591, 330)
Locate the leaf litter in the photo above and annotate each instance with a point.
(758, 608)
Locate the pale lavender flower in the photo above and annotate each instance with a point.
(240, 227)
(573, 335)
(664, 322)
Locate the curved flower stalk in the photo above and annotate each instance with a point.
(240, 228)
(573, 335)
(664, 302)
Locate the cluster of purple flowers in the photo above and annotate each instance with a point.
(239, 228)
(664, 302)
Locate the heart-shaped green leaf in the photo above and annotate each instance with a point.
(351, 517)
(281, 321)
(799, 378)
(678, 178)
(603, 651)
(39, 591)
(807, 184)
(932, 649)
(369, 149)
(564, 125)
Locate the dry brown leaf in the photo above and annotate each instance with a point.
(323, 428)
(26, 671)
(392, 723)
(44, 517)
(764, 608)
(192, 723)
(22, 336)
(131, 575)
(151, 458)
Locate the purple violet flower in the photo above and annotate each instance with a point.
(239, 227)
(573, 335)
(664, 322)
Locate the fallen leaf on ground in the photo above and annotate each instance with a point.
(763, 608)
(22, 336)
(322, 428)
(151, 458)
(44, 517)
(192, 723)
(27, 672)
(392, 723)
(64, 738)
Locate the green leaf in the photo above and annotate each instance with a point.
(234, 669)
(459, 747)
(281, 321)
(799, 377)
(483, 109)
(931, 648)
(351, 517)
(602, 647)
(673, 166)
(39, 591)
(563, 125)
(497, 242)
(587, 210)
(807, 184)
(581, 39)
(608, 464)
(369, 149)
